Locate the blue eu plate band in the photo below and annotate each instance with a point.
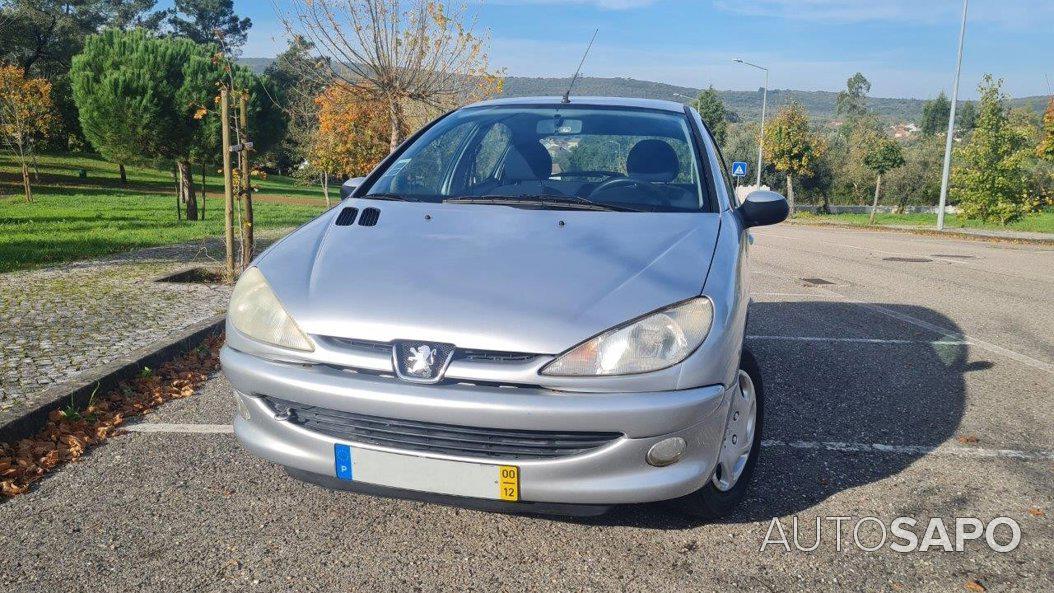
(342, 457)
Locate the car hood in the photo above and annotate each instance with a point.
(487, 277)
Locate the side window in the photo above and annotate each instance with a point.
(425, 172)
(489, 152)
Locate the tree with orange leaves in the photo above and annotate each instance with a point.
(26, 114)
(352, 135)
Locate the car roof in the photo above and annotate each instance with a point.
(586, 102)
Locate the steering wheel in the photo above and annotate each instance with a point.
(623, 181)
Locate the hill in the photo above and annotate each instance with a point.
(746, 104)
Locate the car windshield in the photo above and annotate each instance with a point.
(567, 156)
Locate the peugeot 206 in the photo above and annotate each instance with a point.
(532, 305)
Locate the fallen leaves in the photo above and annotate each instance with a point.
(967, 439)
(67, 436)
(976, 586)
(1036, 512)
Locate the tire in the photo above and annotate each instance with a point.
(710, 502)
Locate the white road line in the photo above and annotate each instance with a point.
(941, 450)
(859, 340)
(791, 294)
(951, 336)
(181, 428)
(847, 447)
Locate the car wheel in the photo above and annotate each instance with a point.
(739, 449)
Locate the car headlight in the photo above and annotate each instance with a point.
(650, 343)
(256, 312)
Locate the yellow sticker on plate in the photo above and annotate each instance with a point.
(509, 482)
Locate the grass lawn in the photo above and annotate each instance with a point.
(1040, 222)
(72, 218)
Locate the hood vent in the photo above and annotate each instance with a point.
(370, 216)
(347, 216)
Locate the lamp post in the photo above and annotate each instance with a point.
(764, 104)
(946, 173)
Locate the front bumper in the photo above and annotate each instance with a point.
(614, 474)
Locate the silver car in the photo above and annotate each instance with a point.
(531, 306)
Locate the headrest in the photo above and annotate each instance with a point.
(528, 161)
(653, 160)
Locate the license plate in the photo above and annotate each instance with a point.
(424, 474)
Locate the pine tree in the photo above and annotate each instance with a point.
(209, 21)
(935, 115)
(714, 113)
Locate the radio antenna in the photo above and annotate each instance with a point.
(567, 95)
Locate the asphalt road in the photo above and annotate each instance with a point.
(896, 387)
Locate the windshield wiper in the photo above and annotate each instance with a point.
(388, 197)
(552, 202)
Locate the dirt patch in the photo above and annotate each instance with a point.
(197, 275)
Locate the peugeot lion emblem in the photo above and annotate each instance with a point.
(421, 362)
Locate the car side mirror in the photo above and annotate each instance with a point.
(350, 186)
(763, 208)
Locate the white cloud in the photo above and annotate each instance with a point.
(1006, 12)
(603, 4)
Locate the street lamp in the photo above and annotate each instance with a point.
(946, 174)
(764, 104)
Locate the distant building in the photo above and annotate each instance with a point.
(904, 131)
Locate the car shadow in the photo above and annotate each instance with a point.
(824, 398)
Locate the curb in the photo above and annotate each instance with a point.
(947, 234)
(106, 378)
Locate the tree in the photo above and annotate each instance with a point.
(42, 36)
(852, 102)
(26, 114)
(990, 180)
(712, 109)
(143, 98)
(935, 115)
(1045, 150)
(351, 136)
(966, 118)
(209, 21)
(298, 73)
(136, 14)
(884, 154)
(409, 55)
(791, 146)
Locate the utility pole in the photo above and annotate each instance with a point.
(946, 174)
(764, 105)
(246, 188)
(228, 184)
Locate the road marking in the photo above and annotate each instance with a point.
(951, 336)
(941, 450)
(181, 428)
(791, 294)
(846, 447)
(859, 340)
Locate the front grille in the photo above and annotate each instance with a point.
(459, 354)
(447, 439)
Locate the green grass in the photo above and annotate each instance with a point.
(72, 218)
(1040, 222)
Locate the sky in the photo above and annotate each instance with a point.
(906, 48)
